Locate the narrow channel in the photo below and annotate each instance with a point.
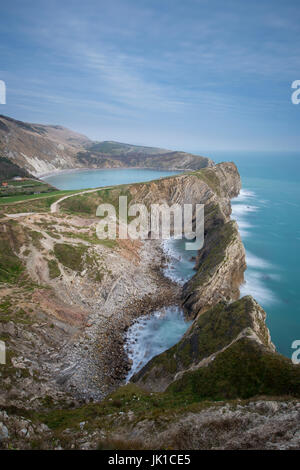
(153, 334)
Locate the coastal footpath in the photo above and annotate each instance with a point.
(68, 298)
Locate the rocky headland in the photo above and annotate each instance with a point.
(67, 299)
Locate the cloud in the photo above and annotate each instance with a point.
(196, 66)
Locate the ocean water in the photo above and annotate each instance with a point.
(182, 262)
(152, 334)
(155, 333)
(267, 212)
(83, 179)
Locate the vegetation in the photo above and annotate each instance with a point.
(86, 204)
(208, 176)
(45, 201)
(9, 170)
(71, 256)
(11, 268)
(28, 187)
(90, 237)
(243, 370)
(210, 332)
(214, 252)
(53, 269)
(36, 238)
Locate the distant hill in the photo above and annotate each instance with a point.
(119, 148)
(41, 149)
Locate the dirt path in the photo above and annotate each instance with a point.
(20, 214)
(55, 206)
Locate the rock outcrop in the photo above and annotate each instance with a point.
(67, 299)
(227, 353)
(220, 264)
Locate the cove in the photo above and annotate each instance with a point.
(84, 179)
(153, 334)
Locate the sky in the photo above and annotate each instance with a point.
(196, 75)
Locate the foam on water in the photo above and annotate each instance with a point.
(254, 285)
(152, 334)
(181, 263)
(258, 269)
(155, 333)
(256, 262)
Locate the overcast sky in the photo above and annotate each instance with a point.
(191, 74)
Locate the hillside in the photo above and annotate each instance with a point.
(41, 149)
(9, 170)
(67, 299)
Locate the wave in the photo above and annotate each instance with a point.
(239, 210)
(154, 334)
(244, 195)
(254, 261)
(180, 264)
(254, 286)
(257, 272)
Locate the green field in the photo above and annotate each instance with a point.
(25, 197)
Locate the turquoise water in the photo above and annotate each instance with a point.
(153, 334)
(83, 179)
(268, 215)
(267, 212)
(181, 266)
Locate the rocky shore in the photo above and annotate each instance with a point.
(67, 300)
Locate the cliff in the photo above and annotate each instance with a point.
(67, 299)
(41, 149)
(220, 264)
(227, 353)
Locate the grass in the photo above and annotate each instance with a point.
(87, 204)
(11, 312)
(28, 197)
(36, 238)
(90, 238)
(126, 398)
(244, 370)
(71, 256)
(11, 267)
(210, 332)
(22, 188)
(53, 269)
(208, 176)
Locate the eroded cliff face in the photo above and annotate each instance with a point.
(227, 339)
(220, 264)
(42, 149)
(210, 186)
(92, 286)
(38, 148)
(67, 298)
(220, 267)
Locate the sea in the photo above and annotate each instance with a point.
(267, 212)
